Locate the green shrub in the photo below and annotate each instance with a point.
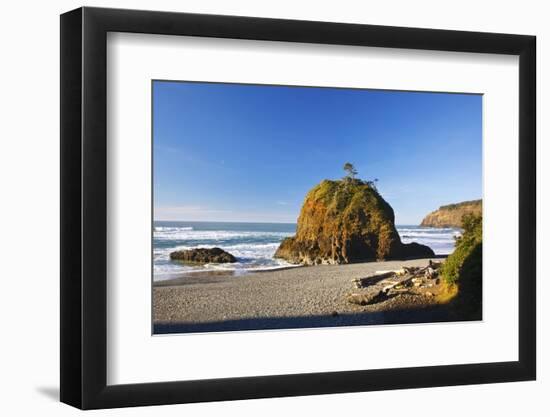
(463, 268)
(466, 257)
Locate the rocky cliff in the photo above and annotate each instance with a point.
(346, 221)
(451, 215)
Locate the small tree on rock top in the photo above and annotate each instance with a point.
(350, 169)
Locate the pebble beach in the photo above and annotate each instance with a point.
(309, 296)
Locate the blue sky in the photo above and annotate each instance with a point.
(230, 152)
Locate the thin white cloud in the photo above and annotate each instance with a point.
(200, 213)
(185, 212)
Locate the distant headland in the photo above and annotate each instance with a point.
(451, 215)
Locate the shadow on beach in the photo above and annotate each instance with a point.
(432, 314)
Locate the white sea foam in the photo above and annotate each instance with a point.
(250, 251)
(441, 240)
(426, 229)
(172, 229)
(254, 249)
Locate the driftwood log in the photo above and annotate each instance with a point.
(377, 287)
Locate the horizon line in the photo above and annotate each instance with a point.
(264, 222)
(220, 221)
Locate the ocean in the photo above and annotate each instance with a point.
(253, 244)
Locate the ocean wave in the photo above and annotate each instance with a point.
(240, 250)
(254, 249)
(440, 240)
(428, 230)
(172, 229)
(215, 235)
(430, 242)
(164, 270)
(427, 236)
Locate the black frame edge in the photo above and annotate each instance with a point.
(94, 208)
(71, 191)
(528, 207)
(83, 202)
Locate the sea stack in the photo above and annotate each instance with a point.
(346, 221)
(451, 215)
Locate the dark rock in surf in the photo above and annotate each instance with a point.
(203, 256)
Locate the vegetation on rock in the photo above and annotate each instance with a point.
(451, 215)
(462, 271)
(345, 221)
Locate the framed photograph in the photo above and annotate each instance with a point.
(256, 208)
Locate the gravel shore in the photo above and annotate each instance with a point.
(313, 296)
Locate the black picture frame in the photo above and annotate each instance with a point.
(84, 207)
